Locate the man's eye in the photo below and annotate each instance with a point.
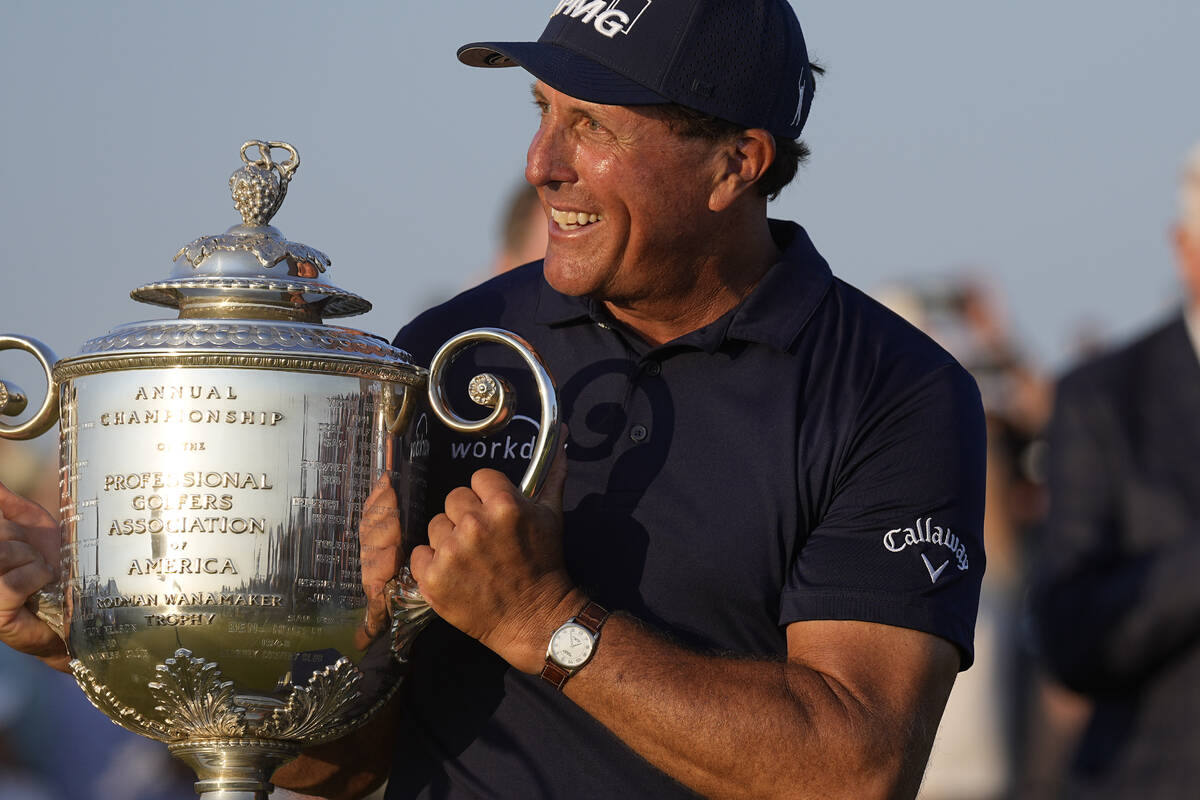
(592, 125)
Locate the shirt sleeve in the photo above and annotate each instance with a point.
(900, 541)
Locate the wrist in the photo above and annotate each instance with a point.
(525, 647)
(60, 663)
(53, 654)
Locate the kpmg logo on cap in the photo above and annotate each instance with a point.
(609, 17)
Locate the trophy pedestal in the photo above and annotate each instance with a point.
(234, 769)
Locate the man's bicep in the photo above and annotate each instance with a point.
(874, 660)
(898, 678)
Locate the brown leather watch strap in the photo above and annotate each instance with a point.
(592, 617)
(555, 675)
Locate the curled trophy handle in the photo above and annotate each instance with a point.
(410, 611)
(489, 391)
(13, 400)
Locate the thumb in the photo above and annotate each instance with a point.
(15, 508)
(551, 494)
(8, 501)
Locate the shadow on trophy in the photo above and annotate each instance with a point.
(238, 491)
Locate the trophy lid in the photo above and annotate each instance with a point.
(252, 271)
(247, 298)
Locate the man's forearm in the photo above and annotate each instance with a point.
(732, 728)
(851, 714)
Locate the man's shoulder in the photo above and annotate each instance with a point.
(502, 301)
(834, 319)
(846, 343)
(878, 368)
(886, 340)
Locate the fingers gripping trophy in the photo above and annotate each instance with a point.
(238, 485)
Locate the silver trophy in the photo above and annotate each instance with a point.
(239, 486)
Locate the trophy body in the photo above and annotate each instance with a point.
(240, 487)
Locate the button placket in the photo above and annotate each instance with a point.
(649, 368)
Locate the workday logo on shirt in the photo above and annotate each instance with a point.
(515, 445)
(609, 17)
(923, 531)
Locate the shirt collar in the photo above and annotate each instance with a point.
(556, 308)
(773, 313)
(783, 302)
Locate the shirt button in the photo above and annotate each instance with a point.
(653, 368)
(638, 433)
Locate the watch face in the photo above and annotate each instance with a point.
(571, 645)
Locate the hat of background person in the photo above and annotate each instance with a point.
(1189, 191)
(743, 61)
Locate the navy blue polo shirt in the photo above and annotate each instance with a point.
(807, 456)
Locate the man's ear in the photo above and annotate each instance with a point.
(744, 160)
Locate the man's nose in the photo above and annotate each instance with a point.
(548, 160)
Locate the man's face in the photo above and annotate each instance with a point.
(627, 199)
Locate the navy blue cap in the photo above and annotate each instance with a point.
(743, 61)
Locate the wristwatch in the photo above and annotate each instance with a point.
(573, 645)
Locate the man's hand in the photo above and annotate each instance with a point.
(494, 566)
(29, 555)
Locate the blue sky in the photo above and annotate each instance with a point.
(1036, 144)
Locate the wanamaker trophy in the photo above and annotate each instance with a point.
(235, 486)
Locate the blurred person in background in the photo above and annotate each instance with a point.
(523, 230)
(521, 235)
(21, 776)
(1117, 601)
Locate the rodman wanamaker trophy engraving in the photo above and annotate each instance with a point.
(236, 488)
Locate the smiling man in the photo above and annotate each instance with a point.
(755, 568)
(755, 572)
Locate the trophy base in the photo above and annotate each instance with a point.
(234, 769)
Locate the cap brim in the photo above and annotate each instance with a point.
(565, 70)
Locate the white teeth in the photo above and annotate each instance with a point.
(571, 220)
